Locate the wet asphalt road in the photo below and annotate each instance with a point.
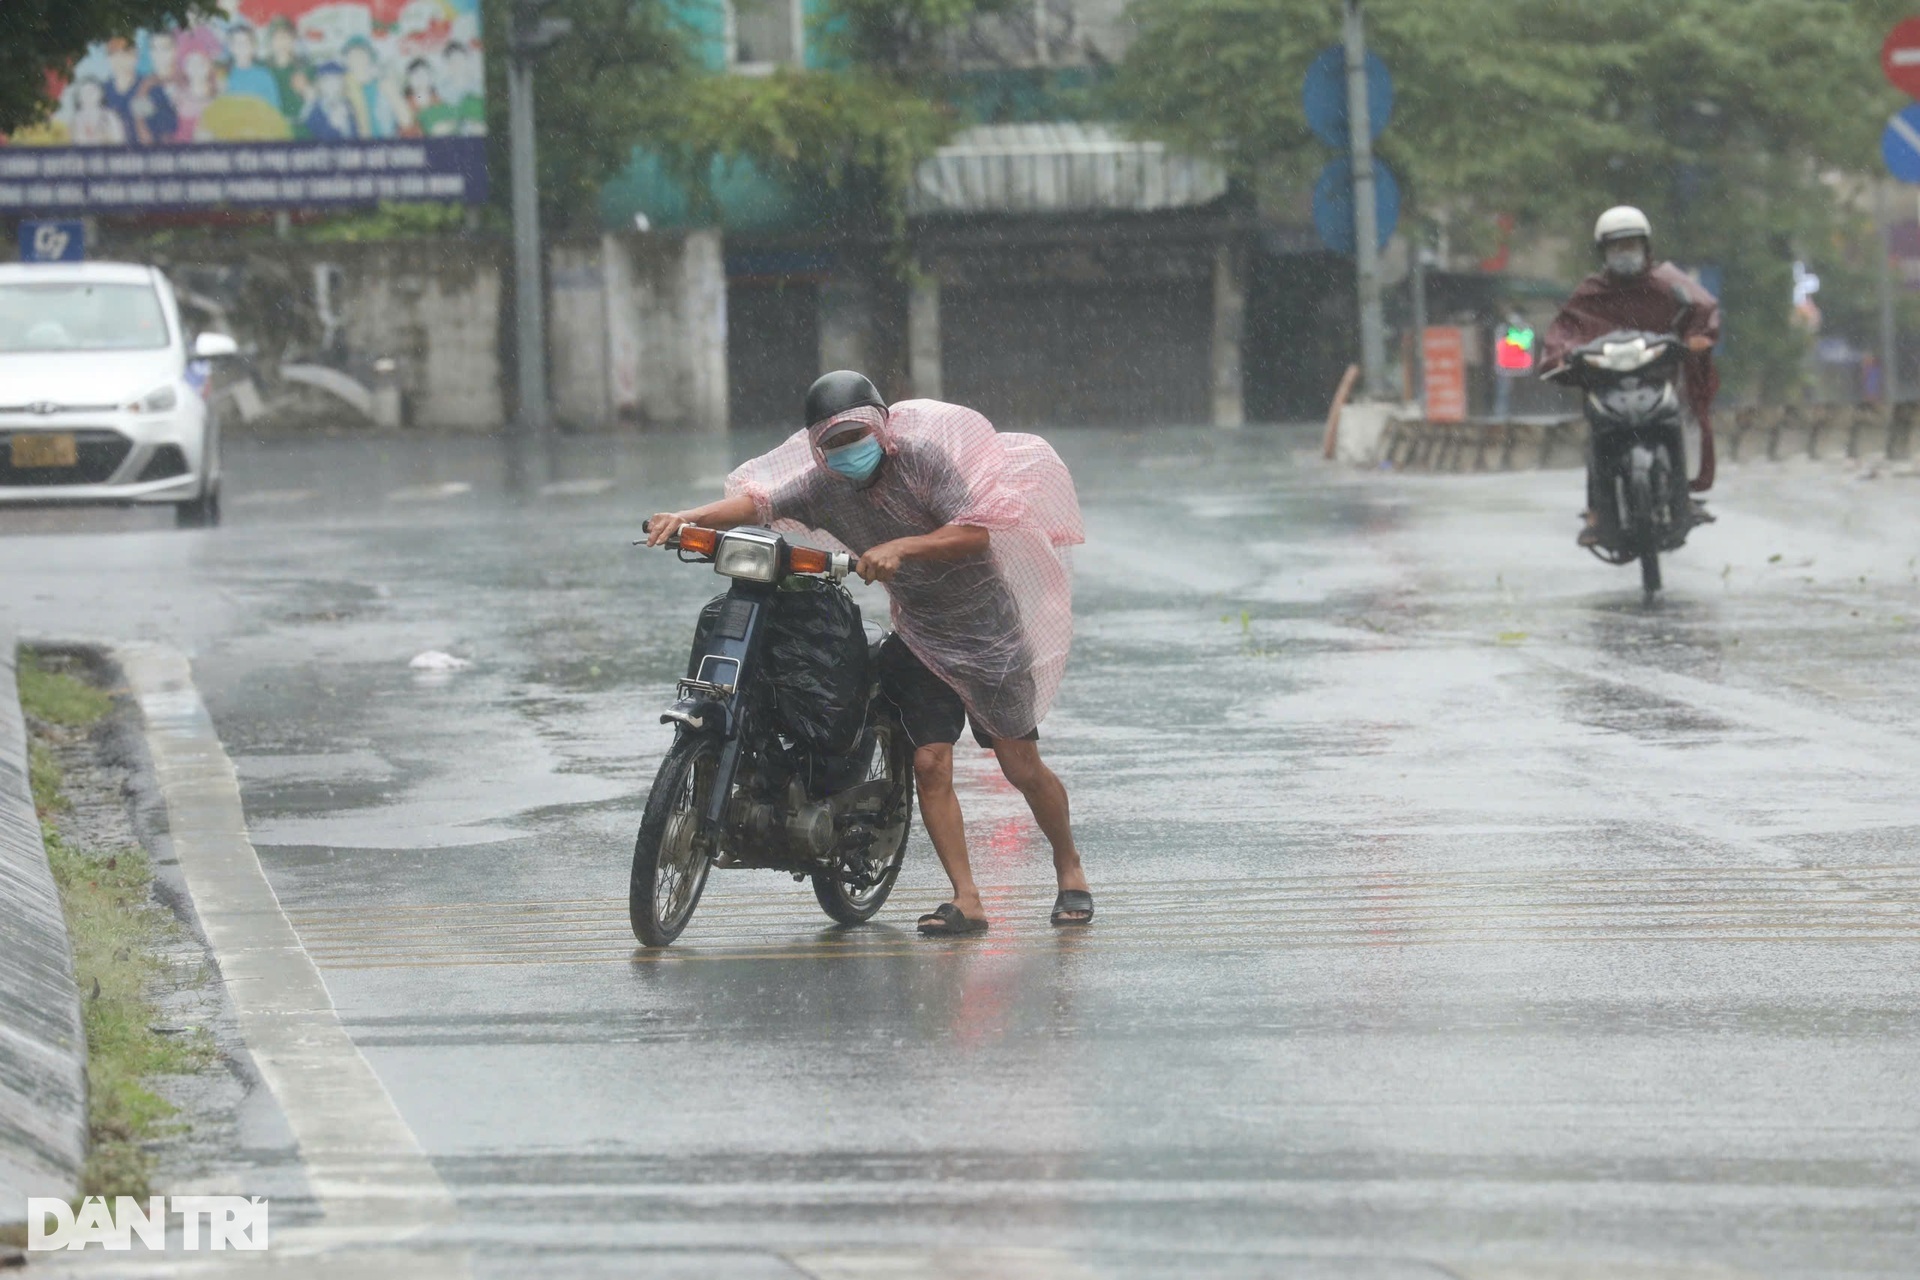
(1457, 913)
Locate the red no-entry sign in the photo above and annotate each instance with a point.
(1900, 57)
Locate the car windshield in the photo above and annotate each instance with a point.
(80, 316)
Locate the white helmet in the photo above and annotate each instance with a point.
(1622, 222)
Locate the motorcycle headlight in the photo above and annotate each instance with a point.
(159, 400)
(754, 557)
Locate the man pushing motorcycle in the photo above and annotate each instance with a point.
(1633, 292)
(970, 531)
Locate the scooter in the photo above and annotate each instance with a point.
(1634, 417)
(785, 756)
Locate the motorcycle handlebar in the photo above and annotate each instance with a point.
(834, 560)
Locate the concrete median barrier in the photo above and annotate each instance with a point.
(43, 1091)
(1748, 434)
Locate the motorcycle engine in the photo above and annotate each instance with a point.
(810, 830)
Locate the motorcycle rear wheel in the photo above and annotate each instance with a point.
(670, 860)
(893, 761)
(1650, 572)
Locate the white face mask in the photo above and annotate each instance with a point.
(1626, 262)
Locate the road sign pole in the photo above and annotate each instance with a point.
(1366, 226)
(1889, 346)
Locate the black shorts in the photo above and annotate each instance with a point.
(929, 708)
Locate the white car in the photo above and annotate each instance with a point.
(103, 398)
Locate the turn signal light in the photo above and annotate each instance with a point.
(702, 542)
(807, 560)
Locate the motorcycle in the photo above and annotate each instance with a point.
(785, 756)
(1634, 417)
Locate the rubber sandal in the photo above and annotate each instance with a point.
(1069, 902)
(948, 921)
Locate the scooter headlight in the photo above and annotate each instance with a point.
(753, 556)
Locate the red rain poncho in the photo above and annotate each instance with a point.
(1662, 299)
(996, 626)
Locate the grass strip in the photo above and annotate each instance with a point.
(117, 932)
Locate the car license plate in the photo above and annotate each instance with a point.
(43, 450)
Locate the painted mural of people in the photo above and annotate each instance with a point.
(141, 101)
(460, 88)
(94, 123)
(163, 64)
(198, 48)
(373, 108)
(330, 116)
(431, 116)
(289, 68)
(245, 76)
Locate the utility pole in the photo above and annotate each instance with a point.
(1366, 225)
(531, 34)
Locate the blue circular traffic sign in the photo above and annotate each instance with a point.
(1333, 204)
(1325, 96)
(1900, 145)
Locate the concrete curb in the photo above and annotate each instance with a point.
(43, 1050)
(373, 1183)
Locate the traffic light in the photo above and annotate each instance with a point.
(1513, 352)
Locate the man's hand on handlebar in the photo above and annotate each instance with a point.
(1699, 344)
(662, 526)
(880, 564)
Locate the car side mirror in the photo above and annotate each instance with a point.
(214, 346)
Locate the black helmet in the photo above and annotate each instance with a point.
(835, 393)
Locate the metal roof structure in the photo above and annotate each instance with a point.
(1060, 168)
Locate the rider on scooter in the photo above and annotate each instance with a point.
(1631, 291)
(970, 529)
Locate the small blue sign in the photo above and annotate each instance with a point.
(1333, 204)
(1900, 145)
(53, 241)
(1325, 96)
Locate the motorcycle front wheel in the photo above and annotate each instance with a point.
(670, 860)
(844, 900)
(1639, 508)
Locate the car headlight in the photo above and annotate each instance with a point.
(754, 557)
(159, 400)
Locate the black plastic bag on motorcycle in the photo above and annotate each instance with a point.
(816, 662)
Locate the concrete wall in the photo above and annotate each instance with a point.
(435, 308)
(658, 323)
(43, 1089)
(578, 336)
(637, 324)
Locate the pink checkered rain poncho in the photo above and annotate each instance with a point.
(997, 626)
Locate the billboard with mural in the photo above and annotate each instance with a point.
(267, 104)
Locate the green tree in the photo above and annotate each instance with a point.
(627, 77)
(1723, 118)
(43, 39)
(613, 81)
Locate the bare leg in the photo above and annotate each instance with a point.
(940, 814)
(1047, 797)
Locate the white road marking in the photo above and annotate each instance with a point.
(430, 492)
(943, 1264)
(372, 1180)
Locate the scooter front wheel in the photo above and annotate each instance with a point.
(670, 860)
